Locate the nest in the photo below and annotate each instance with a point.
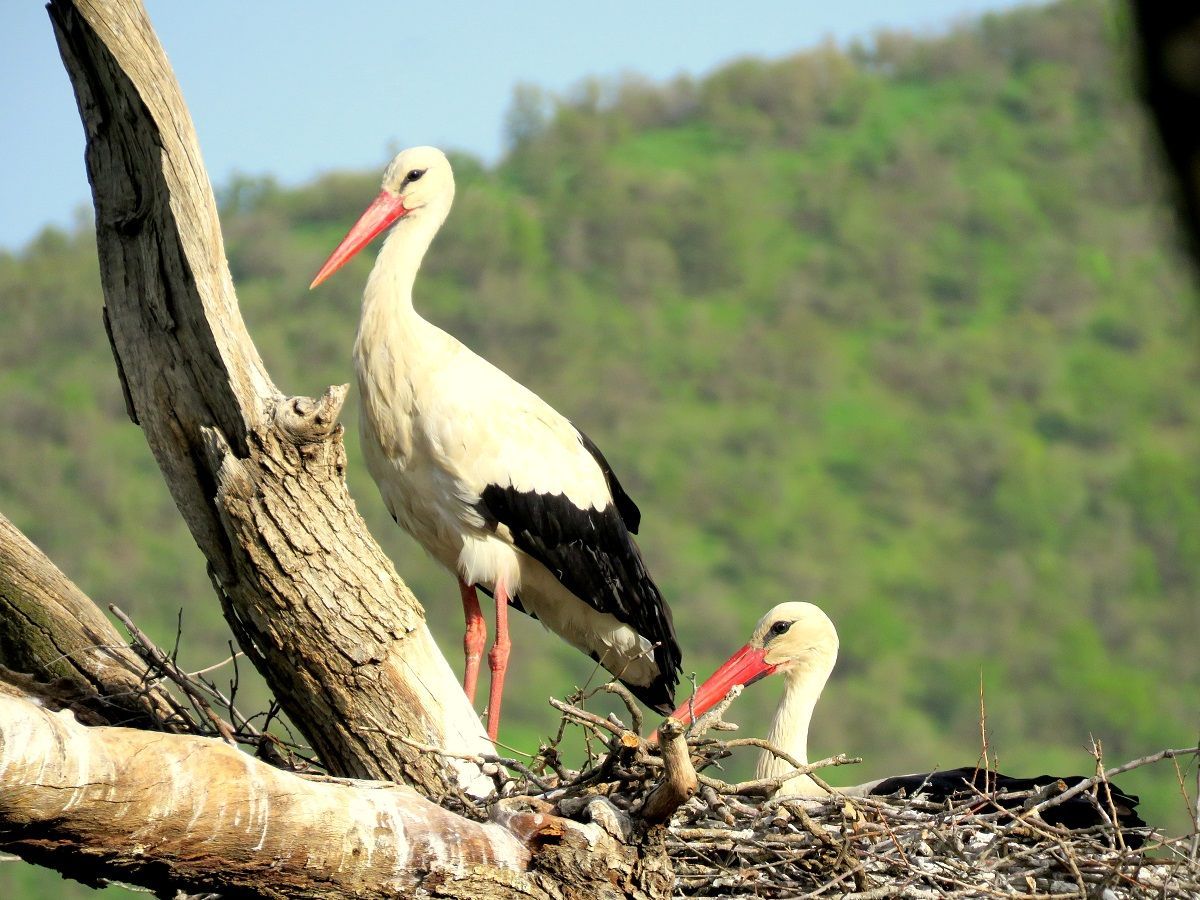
(732, 840)
(894, 847)
(737, 839)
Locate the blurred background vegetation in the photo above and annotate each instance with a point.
(899, 328)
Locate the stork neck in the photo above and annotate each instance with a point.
(391, 283)
(789, 731)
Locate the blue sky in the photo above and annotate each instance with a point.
(294, 89)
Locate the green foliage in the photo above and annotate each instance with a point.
(897, 329)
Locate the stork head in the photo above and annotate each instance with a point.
(797, 639)
(418, 183)
(420, 178)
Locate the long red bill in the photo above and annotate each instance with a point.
(385, 210)
(746, 666)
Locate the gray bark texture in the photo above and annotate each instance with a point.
(54, 632)
(314, 602)
(257, 476)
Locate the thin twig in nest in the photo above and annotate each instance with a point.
(1089, 783)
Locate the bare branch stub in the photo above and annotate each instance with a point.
(679, 782)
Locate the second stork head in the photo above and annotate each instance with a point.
(795, 639)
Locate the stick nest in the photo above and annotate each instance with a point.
(730, 840)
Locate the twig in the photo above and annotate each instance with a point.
(1193, 811)
(479, 759)
(1089, 783)
(679, 782)
(167, 666)
(582, 715)
(226, 661)
(767, 786)
(635, 713)
(713, 718)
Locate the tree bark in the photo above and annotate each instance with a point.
(311, 597)
(54, 631)
(182, 813)
(257, 476)
(213, 819)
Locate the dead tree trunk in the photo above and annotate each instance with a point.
(314, 602)
(257, 476)
(166, 811)
(181, 813)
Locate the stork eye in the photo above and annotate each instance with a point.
(414, 175)
(779, 628)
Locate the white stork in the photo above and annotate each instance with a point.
(490, 480)
(799, 641)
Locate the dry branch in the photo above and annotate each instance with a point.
(54, 631)
(679, 782)
(257, 476)
(102, 801)
(181, 813)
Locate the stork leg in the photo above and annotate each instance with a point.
(474, 637)
(498, 660)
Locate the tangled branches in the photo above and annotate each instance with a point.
(735, 839)
(213, 710)
(895, 847)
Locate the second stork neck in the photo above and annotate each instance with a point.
(789, 732)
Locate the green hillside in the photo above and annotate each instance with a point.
(900, 329)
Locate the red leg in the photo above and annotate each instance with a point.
(498, 660)
(474, 637)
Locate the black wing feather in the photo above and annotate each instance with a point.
(1078, 812)
(630, 514)
(592, 553)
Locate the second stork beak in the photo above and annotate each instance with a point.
(746, 666)
(385, 210)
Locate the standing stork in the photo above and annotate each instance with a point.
(490, 480)
(799, 641)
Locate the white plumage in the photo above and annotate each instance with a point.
(493, 482)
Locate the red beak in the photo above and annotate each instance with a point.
(386, 209)
(746, 666)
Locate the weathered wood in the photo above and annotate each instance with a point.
(52, 630)
(257, 476)
(182, 813)
(185, 814)
(214, 819)
(314, 602)
(679, 783)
